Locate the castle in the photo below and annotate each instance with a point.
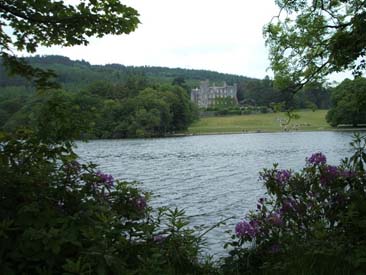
(207, 96)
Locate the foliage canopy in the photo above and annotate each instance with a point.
(311, 39)
(47, 23)
(349, 100)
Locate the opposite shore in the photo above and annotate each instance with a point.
(363, 129)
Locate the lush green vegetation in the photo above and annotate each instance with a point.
(349, 100)
(264, 92)
(309, 222)
(270, 122)
(76, 76)
(137, 101)
(103, 110)
(59, 216)
(62, 216)
(48, 23)
(311, 39)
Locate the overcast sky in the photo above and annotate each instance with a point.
(224, 36)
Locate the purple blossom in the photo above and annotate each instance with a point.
(275, 219)
(288, 205)
(140, 203)
(283, 176)
(316, 159)
(332, 170)
(247, 229)
(105, 178)
(330, 173)
(348, 174)
(254, 224)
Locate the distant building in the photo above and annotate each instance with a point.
(206, 96)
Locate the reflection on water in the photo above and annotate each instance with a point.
(212, 177)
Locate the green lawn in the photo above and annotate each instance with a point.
(308, 121)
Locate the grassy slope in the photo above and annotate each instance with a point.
(309, 121)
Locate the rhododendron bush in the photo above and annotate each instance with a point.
(319, 212)
(58, 216)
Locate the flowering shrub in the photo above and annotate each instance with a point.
(316, 215)
(58, 216)
(316, 159)
(105, 179)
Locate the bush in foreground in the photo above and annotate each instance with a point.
(58, 216)
(310, 222)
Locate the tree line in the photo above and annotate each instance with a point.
(117, 87)
(126, 101)
(135, 108)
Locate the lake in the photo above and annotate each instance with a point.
(212, 177)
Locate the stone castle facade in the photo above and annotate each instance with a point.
(206, 96)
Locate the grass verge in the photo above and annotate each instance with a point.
(308, 121)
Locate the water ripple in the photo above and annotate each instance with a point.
(211, 177)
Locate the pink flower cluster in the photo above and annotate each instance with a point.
(316, 159)
(283, 176)
(140, 203)
(105, 178)
(247, 229)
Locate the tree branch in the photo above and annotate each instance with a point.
(38, 18)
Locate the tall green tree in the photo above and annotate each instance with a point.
(349, 100)
(308, 40)
(52, 22)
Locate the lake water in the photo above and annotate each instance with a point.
(212, 177)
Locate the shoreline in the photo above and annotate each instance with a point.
(234, 133)
(267, 132)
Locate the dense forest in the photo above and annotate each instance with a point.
(117, 101)
(79, 74)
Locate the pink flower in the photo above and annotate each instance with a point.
(105, 178)
(140, 203)
(247, 229)
(316, 159)
(283, 176)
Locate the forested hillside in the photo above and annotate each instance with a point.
(79, 74)
(117, 101)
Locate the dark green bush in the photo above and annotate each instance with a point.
(310, 222)
(222, 112)
(234, 112)
(263, 109)
(58, 216)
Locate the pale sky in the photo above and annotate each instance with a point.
(224, 36)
